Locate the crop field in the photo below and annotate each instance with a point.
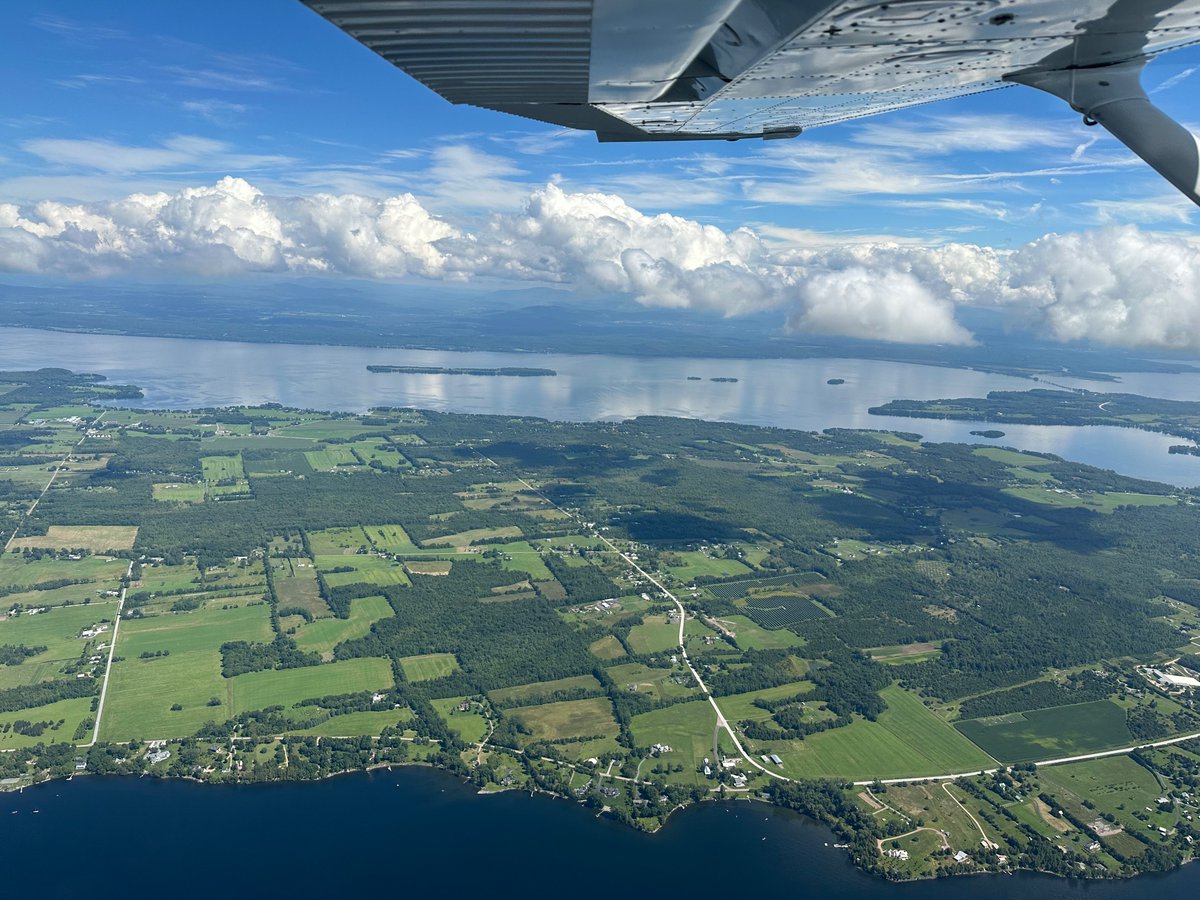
(428, 666)
(434, 567)
(527, 694)
(733, 590)
(695, 564)
(607, 647)
(568, 719)
(469, 537)
(524, 559)
(781, 610)
(1050, 733)
(222, 468)
(740, 707)
(178, 492)
(330, 458)
(368, 722)
(752, 636)
(365, 570)
(379, 450)
(142, 691)
(96, 538)
(325, 634)
(907, 739)
(285, 687)
(323, 429)
(390, 538)
(655, 635)
(99, 571)
(687, 728)
(294, 463)
(337, 541)
(57, 630)
(296, 586)
(898, 654)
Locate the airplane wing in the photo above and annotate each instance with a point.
(733, 69)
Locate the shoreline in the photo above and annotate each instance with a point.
(716, 795)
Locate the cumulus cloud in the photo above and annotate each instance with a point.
(1115, 285)
(881, 306)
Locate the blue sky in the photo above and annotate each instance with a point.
(132, 95)
(107, 100)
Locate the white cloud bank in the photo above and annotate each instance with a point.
(1117, 285)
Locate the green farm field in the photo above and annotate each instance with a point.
(908, 739)
(1050, 733)
(655, 635)
(142, 691)
(368, 722)
(323, 635)
(284, 687)
(221, 468)
(428, 666)
(527, 694)
(571, 719)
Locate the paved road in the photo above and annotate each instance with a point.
(112, 651)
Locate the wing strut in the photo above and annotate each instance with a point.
(1113, 97)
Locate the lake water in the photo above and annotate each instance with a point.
(414, 832)
(178, 373)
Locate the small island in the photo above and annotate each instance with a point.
(724, 380)
(1187, 449)
(694, 378)
(991, 433)
(502, 372)
(836, 381)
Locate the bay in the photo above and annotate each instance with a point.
(177, 373)
(420, 832)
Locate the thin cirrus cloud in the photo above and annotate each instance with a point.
(183, 151)
(1116, 285)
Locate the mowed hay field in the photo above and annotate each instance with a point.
(142, 691)
(428, 666)
(284, 687)
(654, 635)
(323, 635)
(97, 538)
(907, 739)
(1050, 733)
(568, 719)
(531, 693)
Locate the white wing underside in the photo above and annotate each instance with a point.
(726, 68)
(638, 70)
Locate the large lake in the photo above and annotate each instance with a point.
(419, 833)
(787, 393)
